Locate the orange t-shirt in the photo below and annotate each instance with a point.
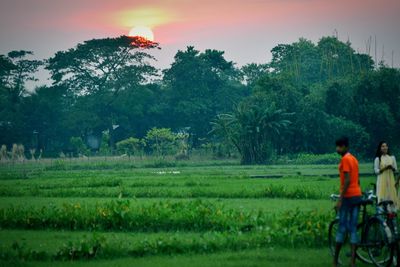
(350, 164)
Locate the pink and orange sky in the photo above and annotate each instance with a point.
(246, 29)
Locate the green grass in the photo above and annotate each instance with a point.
(273, 205)
(189, 182)
(51, 241)
(271, 257)
(302, 190)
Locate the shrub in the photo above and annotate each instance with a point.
(161, 141)
(79, 146)
(130, 146)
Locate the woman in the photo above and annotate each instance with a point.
(385, 167)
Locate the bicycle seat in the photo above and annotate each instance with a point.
(385, 203)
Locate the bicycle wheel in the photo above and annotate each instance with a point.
(396, 255)
(362, 248)
(345, 252)
(380, 249)
(393, 224)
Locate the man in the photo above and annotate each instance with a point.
(350, 197)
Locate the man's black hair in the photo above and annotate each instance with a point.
(343, 141)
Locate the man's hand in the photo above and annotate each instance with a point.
(338, 205)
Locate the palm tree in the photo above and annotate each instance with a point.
(252, 128)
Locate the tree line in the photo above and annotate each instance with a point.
(106, 92)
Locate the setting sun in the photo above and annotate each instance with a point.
(142, 31)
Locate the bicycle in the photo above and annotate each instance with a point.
(382, 235)
(385, 216)
(375, 249)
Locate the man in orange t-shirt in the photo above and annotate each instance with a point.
(350, 198)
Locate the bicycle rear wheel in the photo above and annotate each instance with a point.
(380, 250)
(362, 248)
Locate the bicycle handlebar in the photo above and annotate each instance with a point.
(369, 195)
(335, 197)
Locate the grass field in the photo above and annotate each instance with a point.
(190, 214)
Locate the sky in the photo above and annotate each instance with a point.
(245, 29)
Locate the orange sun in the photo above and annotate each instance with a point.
(143, 32)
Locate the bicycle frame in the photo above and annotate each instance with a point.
(389, 219)
(363, 224)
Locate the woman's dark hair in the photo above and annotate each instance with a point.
(378, 153)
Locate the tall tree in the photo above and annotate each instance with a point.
(15, 70)
(23, 71)
(200, 86)
(97, 71)
(252, 72)
(45, 111)
(309, 63)
(377, 98)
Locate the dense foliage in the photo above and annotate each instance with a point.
(107, 91)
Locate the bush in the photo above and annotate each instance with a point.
(79, 146)
(161, 141)
(130, 146)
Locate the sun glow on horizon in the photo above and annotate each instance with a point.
(148, 16)
(142, 31)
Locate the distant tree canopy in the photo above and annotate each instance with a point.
(15, 70)
(309, 63)
(309, 94)
(199, 86)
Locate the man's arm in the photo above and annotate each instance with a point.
(346, 184)
(344, 191)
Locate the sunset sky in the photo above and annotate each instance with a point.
(246, 30)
